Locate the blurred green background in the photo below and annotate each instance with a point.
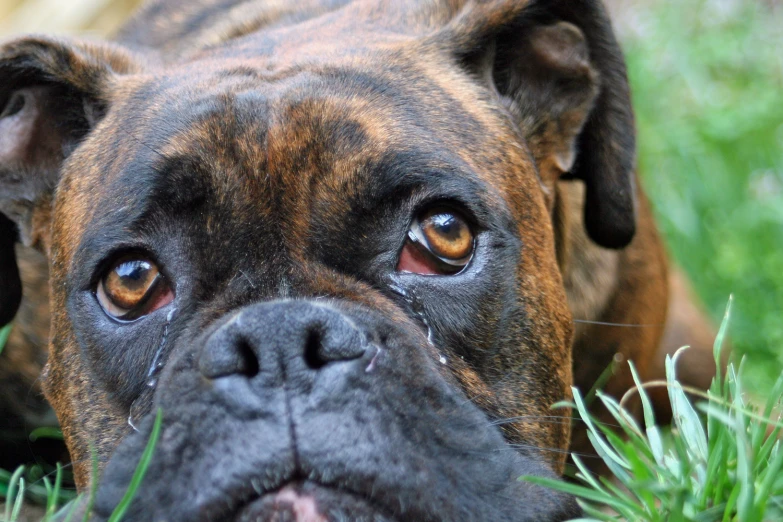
(707, 78)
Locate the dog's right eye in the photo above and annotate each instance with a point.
(440, 242)
(132, 288)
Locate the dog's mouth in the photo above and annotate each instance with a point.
(308, 501)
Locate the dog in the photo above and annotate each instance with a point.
(352, 251)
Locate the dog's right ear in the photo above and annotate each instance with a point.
(53, 92)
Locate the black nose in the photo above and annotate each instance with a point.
(288, 335)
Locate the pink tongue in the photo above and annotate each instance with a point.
(303, 506)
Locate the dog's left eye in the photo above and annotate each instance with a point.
(132, 288)
(440, 242)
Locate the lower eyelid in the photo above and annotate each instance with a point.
(414, 261)
(163, 298)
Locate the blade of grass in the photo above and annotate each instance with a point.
(585, 493)
(10, 494)
(141, 470)
(745, 505)
(591, 427)
(49, 492)
(5, 331)
(46, 432)
(771, 474)
(18, 502)
(599, 384)
(685, 417)
(717, 346)
(93, 484)
(54, 498)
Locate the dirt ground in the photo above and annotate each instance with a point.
(29, 513)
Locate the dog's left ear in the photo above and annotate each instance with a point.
(557, 67)
(52, 93)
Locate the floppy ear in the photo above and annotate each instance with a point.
(557, 67)
(52, 93)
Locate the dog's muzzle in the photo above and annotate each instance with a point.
(319, 410)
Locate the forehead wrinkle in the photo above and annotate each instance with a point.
(331, 126)
(228, 142)
(225, 138)
(454, 109)
(299, 146)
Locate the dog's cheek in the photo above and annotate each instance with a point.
(92, 423)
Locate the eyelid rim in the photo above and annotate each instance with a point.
(131, 250)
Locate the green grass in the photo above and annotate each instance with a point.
(28, 484)
(721, 460)
(14, 489)
(4, 333)
(707, 79)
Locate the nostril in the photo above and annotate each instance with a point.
(258, 340)
(333, 341)
(226, 355)
(248, 362)
(312, 351)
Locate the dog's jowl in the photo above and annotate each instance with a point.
(340, 245)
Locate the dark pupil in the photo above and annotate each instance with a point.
(134, 274)
(446, 225)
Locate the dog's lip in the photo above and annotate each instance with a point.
(304, 499)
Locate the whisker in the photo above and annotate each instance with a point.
(622, 325)
(531, 418)
(53, 473)
(511, 447)
(552, 419)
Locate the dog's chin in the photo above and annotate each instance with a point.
(309, 502)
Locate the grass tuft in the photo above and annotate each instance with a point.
(13, 487)
(721, 459)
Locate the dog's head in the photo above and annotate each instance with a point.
(325, 251)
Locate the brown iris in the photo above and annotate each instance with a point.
(447, 235)
(133, 287)
(440, 241)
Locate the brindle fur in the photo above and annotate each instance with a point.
(278, 140)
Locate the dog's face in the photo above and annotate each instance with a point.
(332, 267)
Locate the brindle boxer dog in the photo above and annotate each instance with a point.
(341, 245)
